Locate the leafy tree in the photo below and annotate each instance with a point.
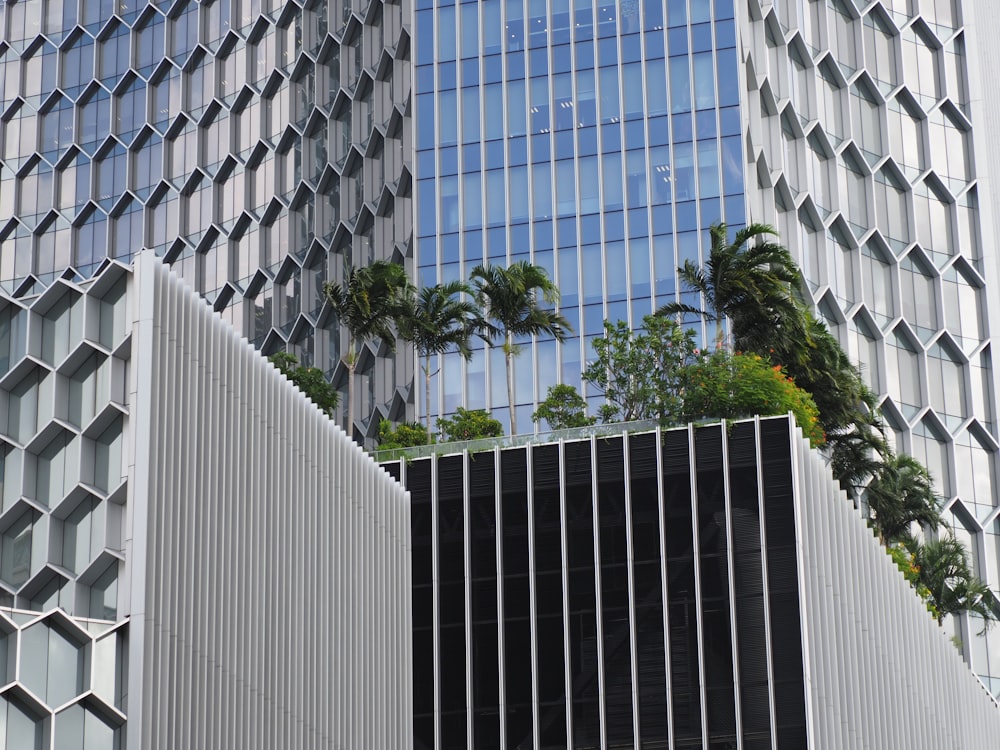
(309, 380)
(563, 407)
(945, 571)
(900, 494)
(730, 386)
(405, 435)
(751, 281)
(469, 424)
(510, 301)
(367, 304)
(435, 320)
(640, 373)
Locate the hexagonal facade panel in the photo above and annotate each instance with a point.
(248, 143)
(908, 191)
(99, 502)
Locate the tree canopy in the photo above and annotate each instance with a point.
(512, 303)
(438, 319)
(367, 303)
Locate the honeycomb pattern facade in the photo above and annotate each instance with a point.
(164, 494)
(860, 137)
(63, 365)
(256, 145)
(64, 681)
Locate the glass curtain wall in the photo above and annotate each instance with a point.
(597, 140)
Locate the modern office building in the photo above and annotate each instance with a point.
(191, 553)
(600, 140)
(257, 145)
(696, 587)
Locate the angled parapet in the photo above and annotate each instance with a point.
(267, 554)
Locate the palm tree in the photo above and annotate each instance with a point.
(857, 452)
(750, 280)
(900, 494)
(367, 304)
(435, 320)
(509, 300)
(943, 568)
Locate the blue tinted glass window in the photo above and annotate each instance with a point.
(449, 118)
(612, 171)
(590, 185)
(565, 187)
(424, 36)
(592, 268)
(638, 267)
(616, 270)
(542, 190)
(680, 86)
(473, 198)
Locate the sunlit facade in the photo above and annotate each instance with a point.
(191, 553)
(257, 145)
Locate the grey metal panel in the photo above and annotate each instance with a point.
(880, 672)
(276, 595)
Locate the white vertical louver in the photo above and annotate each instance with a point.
(880, 672)
(269, 556)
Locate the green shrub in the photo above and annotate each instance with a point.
(469, 425)
(563, 407)
(310, 380)
(639, 372)
(732, 386)
(405, 435)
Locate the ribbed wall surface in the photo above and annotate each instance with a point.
(881, 673)
(268, 555)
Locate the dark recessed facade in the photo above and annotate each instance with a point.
(646, 590)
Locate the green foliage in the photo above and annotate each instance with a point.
(900, 494)
(511, 298)
(907, 565)
(756, 285)
(405, 435)
(367, 304)
(563, 407)
(435, 320)
(730, 386)
(944, 569)
(640, 372)
(309, 380)
(469, 424)
(368, 301)
(751, 281)
(511, 302)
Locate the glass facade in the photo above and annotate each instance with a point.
(256, 145)
(597, 140)
(862, 119)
